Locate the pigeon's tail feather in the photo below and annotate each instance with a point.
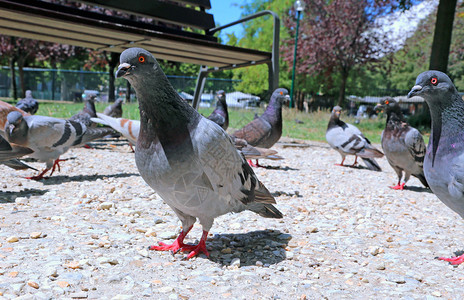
(274, 157)
(95, 133)
(15, 152)
(422, 179)
(17, 165)
(262, 204)
(100, 121)
(371, 164)
(370, 153)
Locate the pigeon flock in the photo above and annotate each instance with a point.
(201, 172)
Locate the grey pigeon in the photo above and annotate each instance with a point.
(402, 144)
(444, 159)
(9, 153)
(265, 130)
(188, 160)
(84, 115)
(48, 137)
(114, 110)
(220, 115)
(348, 140)
(28, 104)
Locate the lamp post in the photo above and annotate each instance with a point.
(299, 7)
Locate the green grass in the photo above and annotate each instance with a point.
(313, 127)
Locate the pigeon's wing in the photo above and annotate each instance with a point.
(48, 132)
(89, 134)
(217, 118)
(17, 165)
(130, 129)
(345, 140)
(228, 172)
(255, 132)
(416, 146)
(456, 184)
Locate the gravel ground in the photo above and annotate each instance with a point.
(84, 234)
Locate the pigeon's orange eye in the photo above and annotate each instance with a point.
(281, 93)
(434, 81)
(386, 102)
(142, 59)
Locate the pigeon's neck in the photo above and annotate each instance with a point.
(335, 122)
(395, 119)
(90, 108)
(164, 115)
(447, 123)
(273, 112)
(221, 108)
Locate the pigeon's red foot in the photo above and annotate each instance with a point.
(87, 146)
(174, 247)
(398, 186)
(56, 163)
(256, 165)
(454, 260)
(340, 165)
(40, 176)
(197, 249)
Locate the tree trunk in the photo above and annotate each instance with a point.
(112, 63)
(341, 95)
(442, 36)
(21, 76)
(13, 77)
(128, 92)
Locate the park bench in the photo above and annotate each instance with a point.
(182, 31)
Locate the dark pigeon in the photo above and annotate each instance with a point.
(114, 110)
(402, 144)
(48, 137)
(86, 113)
(220, 115)
(28, 104)
(348, 140)
(265, 130)
(188, 160)
(444, 159)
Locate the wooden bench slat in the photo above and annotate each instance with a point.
(162, 11)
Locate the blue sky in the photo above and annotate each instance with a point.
(226, 11)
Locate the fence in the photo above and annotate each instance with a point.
(53, 84)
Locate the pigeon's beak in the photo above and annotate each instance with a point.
(11, 128)
(123, 70)
(415, 89)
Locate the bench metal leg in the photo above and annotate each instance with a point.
(200, 85)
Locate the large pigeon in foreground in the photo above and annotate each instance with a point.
(265, 130)
(348, 140)
(48, 137)
(444, 159)
(402, 144)
(188, 160)
(220, 115)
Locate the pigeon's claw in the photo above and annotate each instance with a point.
(40, 176)
(56, 163)
(174, 247)
(197, 249)
(453, 260)
(398, 186)
(256, 165)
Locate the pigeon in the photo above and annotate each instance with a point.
(188, 160)
(128, 128)
(220, 115)
(402, 144)
(48, 137)
(5, 109)
(28, 104)
(444, 159)
(265, 130)
(86, 113)
(348, 140)
(9, 153)
(114, 110)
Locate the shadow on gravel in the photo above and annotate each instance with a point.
(418, 189)
(266, 246)
(280, 168)
(10, 197)
(63, 178)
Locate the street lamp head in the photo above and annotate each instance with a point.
(299, 5)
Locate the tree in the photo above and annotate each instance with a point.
(337, 37)
(442, 37)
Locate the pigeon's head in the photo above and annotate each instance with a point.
(220, 93)
(281, 95)
(433, 86)
(16, 127)
(135, 62)
(28, 94)
(388, 104)
(336, 111)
